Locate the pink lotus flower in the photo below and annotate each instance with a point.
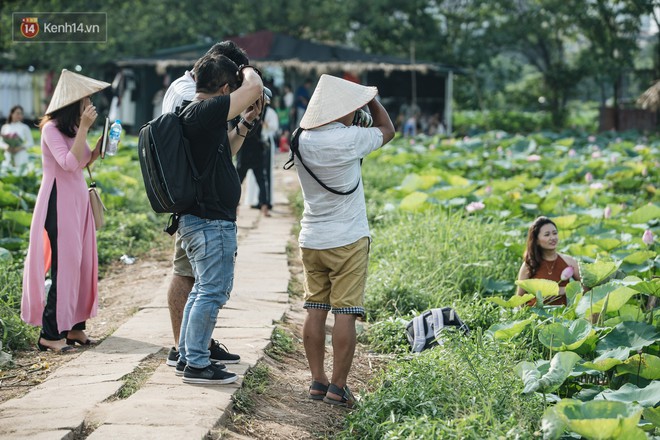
(432, 147)
(596, 185)
(567, 273)
(475, 206)
(488, 190)
(533, 158)
(591, 138)
(613, 159)
(571, 153)
(588, 177)
(607, 212)
(412, 141)
(648, 237)
(596, 154)
(639, 147)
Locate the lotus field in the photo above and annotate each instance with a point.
(449, 220)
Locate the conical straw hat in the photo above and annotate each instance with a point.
(333, 98)
(72, 87)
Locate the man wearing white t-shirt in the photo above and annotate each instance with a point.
(334, 238)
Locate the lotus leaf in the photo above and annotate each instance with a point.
(645, 213)
(587, 250)
(573, 290)
(652, 415)
(453, 191)
(639, 257)
(546, 287)
(649, 396)
(414, 182)
(535, 379)
(5, 256)
(614, 295)
(414, 201)
(566, 221)
(8, 199)
(508, 330)
(629, 334)
(565, 142)
(595, 273)
(651, 287)
(558, 337)
(643, 365)
(600, 420)
(606, 243)
(514, 301)
(19, 218)
(608, 359)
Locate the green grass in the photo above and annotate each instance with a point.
(255, 382)
(281, 344)
(465, 389)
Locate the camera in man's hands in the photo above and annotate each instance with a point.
(362, 118)
(268, 95)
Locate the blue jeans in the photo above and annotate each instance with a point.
(211, 248)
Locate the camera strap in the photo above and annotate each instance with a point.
(295, 151)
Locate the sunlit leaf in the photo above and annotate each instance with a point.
(566, 221)
(651, 287)
(21, 218)
(639, 257)
(599, 419)
(652, 415)
(414, 201)
(606, 243)
(545, 287)
(644, 365)
(593, 301)
(559, 369)
(595, 273)
(514, 301)
(508, 330)
(559, 337)
(608, 359)
(645, 214)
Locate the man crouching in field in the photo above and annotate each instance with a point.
(333, 137)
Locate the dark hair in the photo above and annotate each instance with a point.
(214, 71)
(231, 50)
(11, 113)
(533, 253)
(66, 119)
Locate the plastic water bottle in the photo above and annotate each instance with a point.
(113, 138)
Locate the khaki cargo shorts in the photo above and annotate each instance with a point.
(182, 265)
(335, 278)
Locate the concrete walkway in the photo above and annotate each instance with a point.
(76, 396)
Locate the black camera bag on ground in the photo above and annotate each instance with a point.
(424, 331)
(171, 179)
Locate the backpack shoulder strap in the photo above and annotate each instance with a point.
(438, 322)
(295, 151)
(419, 340)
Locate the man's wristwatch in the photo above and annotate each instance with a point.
(247, 124)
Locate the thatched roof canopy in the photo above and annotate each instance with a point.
(266, 48)
(650, 99)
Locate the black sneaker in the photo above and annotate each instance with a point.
(219, 353)
(211, 375)
(172, 357)
(181, 366)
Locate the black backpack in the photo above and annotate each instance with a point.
(424, 331)
(171, 179)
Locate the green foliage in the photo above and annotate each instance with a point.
(387, 336)
(255, 382)
(464, 389)
(281, 344)
(14, 332)
(431, 259)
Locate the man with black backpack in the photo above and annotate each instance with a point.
(333, 137)
(208, 227)
(183, 279)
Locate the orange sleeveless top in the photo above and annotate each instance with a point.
(551, 270)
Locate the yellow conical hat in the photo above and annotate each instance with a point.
(72, 87)
(333, 98)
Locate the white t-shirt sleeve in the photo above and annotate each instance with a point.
(367, 140)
